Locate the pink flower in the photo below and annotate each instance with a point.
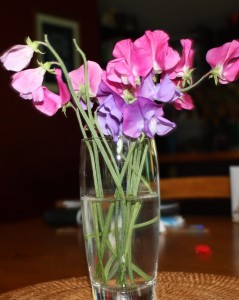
(225, 62)
(123, 73)
(184, 102)
(94, 77)
(28, 81)
(48, 102)
(183, 67)
(17, 57)
(155, 43)
(137, 59)
(118, 71)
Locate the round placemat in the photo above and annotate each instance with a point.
(171, 286)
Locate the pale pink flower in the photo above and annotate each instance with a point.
(27, 81)
(225, 62)
(17, 57)
(94, 77)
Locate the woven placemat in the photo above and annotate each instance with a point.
(171, 286)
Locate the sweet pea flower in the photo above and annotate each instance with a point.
(184, 102)
(145, 116)
(94, 76)
(78, 81)
(130, 61)
(165, 91)
(130, 64)
(118, 71)
(225, 62)
(18, 57)
(110, 111)
(48, 102)
(155, 43)
(184, 66)
(28, 81)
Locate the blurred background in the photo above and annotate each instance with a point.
(39, 155)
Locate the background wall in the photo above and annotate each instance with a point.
(38, 154)
(176, 17)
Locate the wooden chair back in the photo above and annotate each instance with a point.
(189, 188)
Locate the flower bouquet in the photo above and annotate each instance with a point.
(120, 110)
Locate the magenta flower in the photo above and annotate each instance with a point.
(184, 66)
(130, 64)
(28, 81)
(184, 102)
(225, 62)
(145, 116)
(155, 43)
(118, 71)
(133, 57)
(48, 102)
(17, 57)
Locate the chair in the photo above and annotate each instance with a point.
(195, 187)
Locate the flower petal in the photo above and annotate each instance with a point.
(17, 58)
(28, 80)
(94, 76)
(133, 123)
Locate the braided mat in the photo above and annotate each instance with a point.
(171, 286)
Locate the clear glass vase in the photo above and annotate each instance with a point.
(119, 187)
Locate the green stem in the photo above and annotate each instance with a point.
(134, 215)
(88, 120)
(142, 163)
(183, 90)
(144, 224)
(97, 240)
(106, 227)
(141, 273)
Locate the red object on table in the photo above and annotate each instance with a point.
(203, 249)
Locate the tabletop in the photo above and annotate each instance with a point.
(32, 252)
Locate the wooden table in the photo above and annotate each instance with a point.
(31, 252)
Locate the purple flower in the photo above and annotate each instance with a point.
(165, 91)
(146, 116)
(110, 111)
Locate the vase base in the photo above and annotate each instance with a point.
(145, 292)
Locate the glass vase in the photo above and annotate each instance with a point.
(119, 188)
